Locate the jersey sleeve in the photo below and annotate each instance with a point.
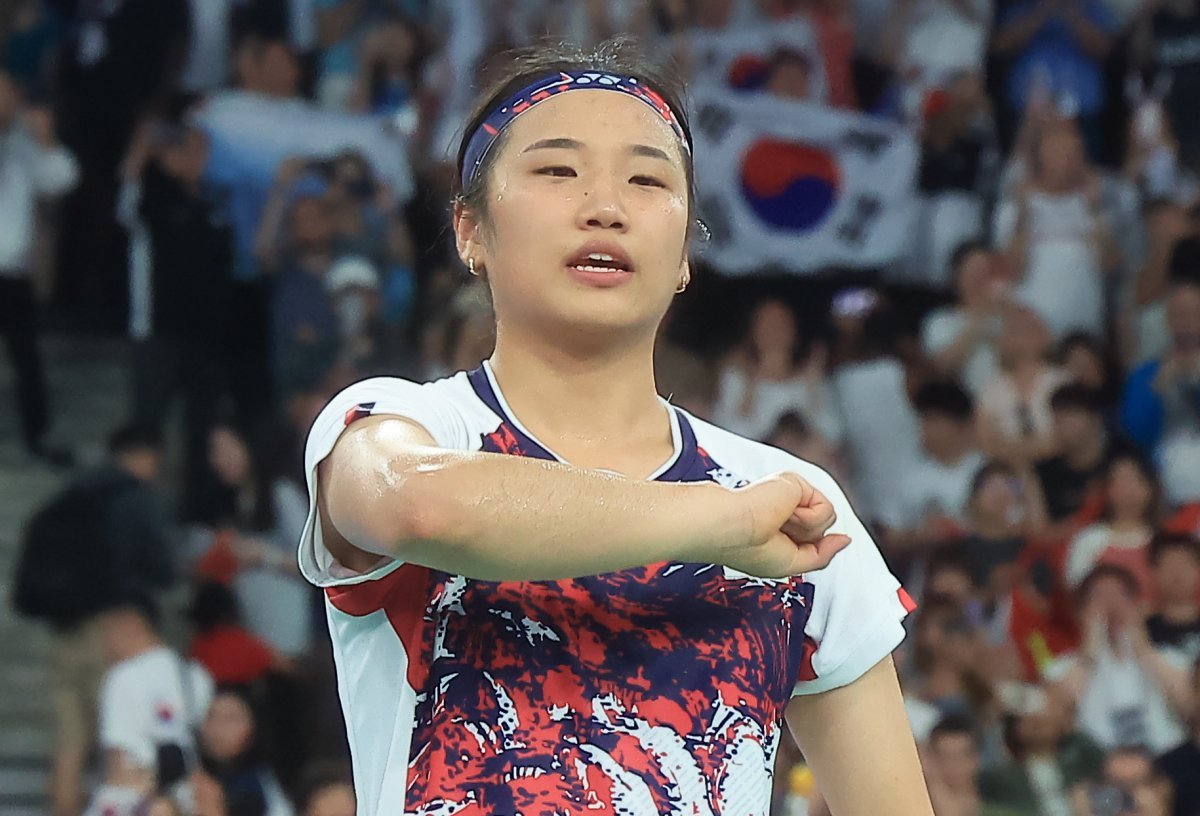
(858, 606)
(424, 404)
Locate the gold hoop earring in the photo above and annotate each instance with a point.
(471, 267)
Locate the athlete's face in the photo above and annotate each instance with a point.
(586, 220)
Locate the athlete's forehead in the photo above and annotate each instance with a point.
(594, 120)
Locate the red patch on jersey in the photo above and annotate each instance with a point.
(906, 600)
(360, 411)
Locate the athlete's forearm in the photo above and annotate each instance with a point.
(497, 517)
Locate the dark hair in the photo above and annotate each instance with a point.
(800, 349)
(792, 422)
(316, 778)
(953, 725)
(213, 604)
(135, 437)
(521, 66)
(944, 397)
(965, 250)
(1154, 508)
(1103, 572)
(1074, 396)
(948, 557)
(1166, 542)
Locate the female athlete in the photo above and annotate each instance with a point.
(549, 590)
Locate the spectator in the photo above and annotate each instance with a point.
(297, 241)
(1046, 759)
(1179, 765)
(1133, 509)
(961, 340)
(1086, 363)
(1175, 561)
(937, 490)
(790, 76)
(1130, 785)
(934, 40)
(1129, 692)
(881, 429)
(1055, 228)
(230, 654)
(1000, 514)
(959, 160)
(1015, 421)
(949, 577)
(327, 790)
(1068, 478)
(29, 45)
(266, 510)
(1165, 38)
(773, 373)
(952, 762)
(151, 700)
(182, 326)
(232, 755)
(1162, 396)
(793, 434)
(949, 658)
(685, 377)
(101, 543)
(33, 165)
(1170, 233)
(388, 68)
(1058, 51)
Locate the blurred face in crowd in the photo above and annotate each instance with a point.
(956, 758)
(945, 437)
(1076, 428)
(1060, 158)
(228, 728)
(186, 159)
(952, 583)
(1130, 493)
(998, 500)
(1111, 601)
(1183, 318)
(713, 13)
(773, 328)
(9, 100)
(333, 800)
(268, 68)
(229, 457)
(1128, 770)
(398, 43)
(312, 224)
(1084, 365)
(1177, 575)
(1041, 731)
(586, 220)
(1024, 337)
(975, 277)
(791, 77)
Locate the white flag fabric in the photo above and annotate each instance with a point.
(739, 58)
(799, 187)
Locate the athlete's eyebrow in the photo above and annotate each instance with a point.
(574, 144)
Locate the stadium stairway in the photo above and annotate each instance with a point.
(88, 387)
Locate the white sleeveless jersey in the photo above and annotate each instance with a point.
(657, 690)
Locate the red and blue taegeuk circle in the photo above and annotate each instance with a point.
(790, 185)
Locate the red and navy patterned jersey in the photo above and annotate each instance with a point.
(657, 690)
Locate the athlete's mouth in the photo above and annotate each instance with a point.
(595, 257)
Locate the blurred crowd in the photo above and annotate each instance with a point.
(256, 192)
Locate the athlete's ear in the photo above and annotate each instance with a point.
(467, 234)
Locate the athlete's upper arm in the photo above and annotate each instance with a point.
(339, 500)
(365, 431)
(860, 732)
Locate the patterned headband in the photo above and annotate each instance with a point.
(489, 130)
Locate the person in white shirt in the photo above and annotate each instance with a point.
(548, 589)
(937, 493)
(151, 703)
(771, 375)
(33, 165)
(1129, 691)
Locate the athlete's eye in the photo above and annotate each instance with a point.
(559, 171)
(647, 181)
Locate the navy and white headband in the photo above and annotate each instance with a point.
(489, 130)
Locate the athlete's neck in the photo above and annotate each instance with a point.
(586, 405)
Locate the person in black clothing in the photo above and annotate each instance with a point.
(1175, 560)
(1182, 765)
(1167, 46)
(188, 350)
(1084, 446)
(132, 537)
